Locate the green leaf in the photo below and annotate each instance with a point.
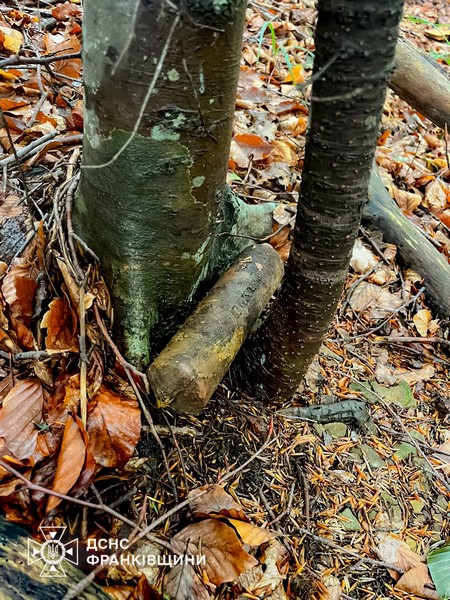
(288, 62)
(404, 450)
(419, 21)
(234, 177)
(439, 565)
(274, 39)
(350, 522)
(364, 388)
(399, 394)
(267, 24)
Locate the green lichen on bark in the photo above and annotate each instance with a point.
(137, 259)
(155, 163)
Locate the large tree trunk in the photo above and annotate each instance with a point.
(160, 87)
(355, 44)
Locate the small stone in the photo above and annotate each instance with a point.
(336, 430)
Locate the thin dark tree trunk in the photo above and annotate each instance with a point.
(156, 152)
(355, 44)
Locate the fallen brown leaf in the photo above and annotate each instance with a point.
(252, 535)
(225, 557)
(70, 462)
(21, 409)
(214, 502)
(417, 581)
(114, 427)
(62, 327)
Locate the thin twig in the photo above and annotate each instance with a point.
(69, 198)
(178, 449)
(15, 158)
(15, 59)
(287, 509)
(123, 363)
(33, 355)
(27, 150)
(33, 487)
(83, 357)
(76, 590)
(327, 542)
(410, 340)
(378, 327)
(144, 408)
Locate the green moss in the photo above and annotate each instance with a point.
(150, 279)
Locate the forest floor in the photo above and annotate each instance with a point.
(340, 509)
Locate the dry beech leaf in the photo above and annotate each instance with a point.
(275, 560)
(440, 33)
(395, 552)
(435, 195)
(62, 327)
(225, 558)
(214, 502)
(412, 376)
(10, 207)
(60, 45)
(417, 581)
(18, 289)
(362, 259)
(412, 276)
(10, 39)
(368, 295)
(21, 408)
(63, 12)
(95, 371)
(114, 427)
(249, 77)
(422, 320)
(74, 290)
(70, 462)
(390, 252)
(444, 458)
(407, 201)
(183, 583)
(6, 385)
(295, 76)
(382, 276)
(284, 213)
(333, 588)
(284, 151)
(252, 535)
(246, 146)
